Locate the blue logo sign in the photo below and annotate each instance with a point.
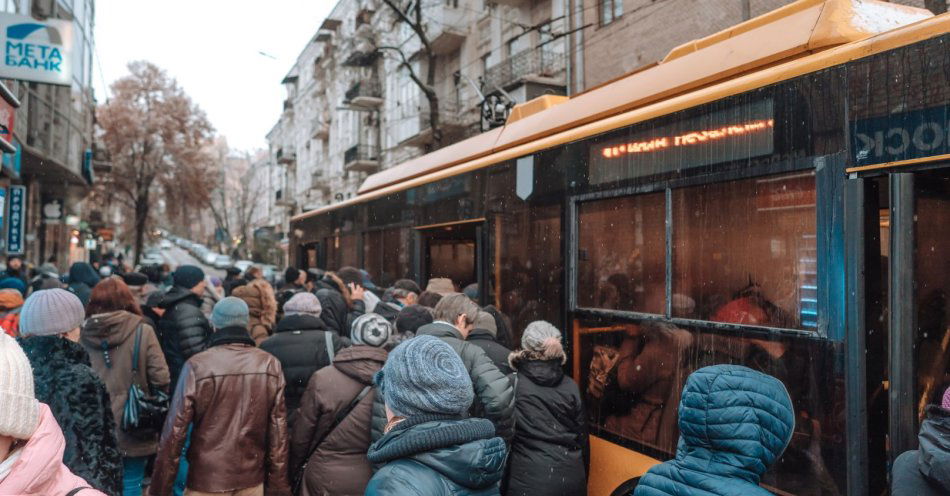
(35, 46)
(17, 218)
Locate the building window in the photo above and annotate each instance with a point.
(517, 45)
(610, 11)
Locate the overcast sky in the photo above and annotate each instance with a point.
(212, 48)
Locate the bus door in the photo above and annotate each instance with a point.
(915, 232)
(451, 251)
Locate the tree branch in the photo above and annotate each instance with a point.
(416, 27)
(429, 91)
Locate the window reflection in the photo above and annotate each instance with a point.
(744, 252)
(622, 253)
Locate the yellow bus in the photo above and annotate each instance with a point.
(775, 195)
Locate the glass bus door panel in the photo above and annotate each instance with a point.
(632, 376)
(450, 252)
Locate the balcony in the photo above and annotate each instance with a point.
(365, 93)
(323, 35)
(447, 28)
(360, 51)
(537, 64)
(283, 201)
(286, 158)
(319, 129)
(320, 182)
(361, 158)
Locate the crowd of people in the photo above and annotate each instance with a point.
(126, 383)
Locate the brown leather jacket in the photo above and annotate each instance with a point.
(233, 395)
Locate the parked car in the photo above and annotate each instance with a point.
(165, 244)
(222, 262)
(209, 257)
(243, 265)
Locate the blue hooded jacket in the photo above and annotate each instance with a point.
(734, 423)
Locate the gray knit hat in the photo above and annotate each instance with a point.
(50, 312)
(305, 303)
(19, 410)
(371, 329)
(425, 375)
(230, 312)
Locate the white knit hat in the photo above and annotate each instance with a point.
(19, 410)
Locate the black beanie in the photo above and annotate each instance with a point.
(135, 278)
(188, 276)
(411, 318)
(291, 275)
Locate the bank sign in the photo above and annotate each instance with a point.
(39, 51)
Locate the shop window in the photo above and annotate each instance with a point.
(622, 254)
(744, 252)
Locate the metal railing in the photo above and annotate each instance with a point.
(365, 87)
(544, 62)
(361, 153)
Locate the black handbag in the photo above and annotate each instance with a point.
(144, 413)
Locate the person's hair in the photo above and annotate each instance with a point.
(454, 304)
(350, 275)
(110, 295)
(408, 285)
(254, 272)
(400, 293)
(429, 299)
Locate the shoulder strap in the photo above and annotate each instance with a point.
(135, 352)
(328, 338)
(340, 416)
(74, 492)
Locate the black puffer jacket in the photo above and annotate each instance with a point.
(183, 328)
(335, 313)
(80, 402)
(300, 344)
(926, 471)
(550, 449)
(497, 352)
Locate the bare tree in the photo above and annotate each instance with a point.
(413, 19)
(156, 137)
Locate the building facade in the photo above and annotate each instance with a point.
(53, 135)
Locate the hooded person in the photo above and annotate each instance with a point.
(429, 446)
(11, 302)
(484, 335)
(15, 268)
(303, 345)
(63, 377)
(183, 329)
(259, 296)
(31, 442)
(47, 277)
(329, 456)
(114, 335)
(82, 277)
(925, 471)
(734, 424)
(551, 449)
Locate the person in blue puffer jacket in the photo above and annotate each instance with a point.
(429, 448)
(734, 423)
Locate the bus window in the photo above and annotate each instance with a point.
(341, 251)
(386, 255)
(744, 252)
(622, 254)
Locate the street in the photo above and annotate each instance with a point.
(176, 257)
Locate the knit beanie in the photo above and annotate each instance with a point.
(424, 375)
(441, 285)
(188, 276)
(370, 329)
(411, 318)
(50, 312)
(13, 283)
(305, 303)
(135, 279)
(543, 339)
(945, 404)
(230, 312)
(19, 410)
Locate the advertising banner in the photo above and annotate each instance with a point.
(39, 51)
(17, 218)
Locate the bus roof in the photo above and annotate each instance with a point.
(801, 37)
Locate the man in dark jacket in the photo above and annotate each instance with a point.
(232, 278)
(82, 277)
(494, 396)
(483, 336)
(302, 344)
(233, 396)
(15, 268)
(183, 328)
(926, 470)
(64, 380)
(293, 283)
(336, 314)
